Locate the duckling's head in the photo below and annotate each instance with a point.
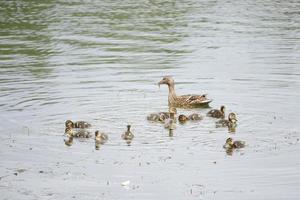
(222, 109)
(182, 118)
(229, 141)
(69, 124)
(97, 134)
(168, 80)
(232, 117)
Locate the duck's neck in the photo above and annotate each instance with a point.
(172, 95)
(128, 128)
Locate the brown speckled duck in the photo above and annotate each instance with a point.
(156, 117)
(183, 100)
(217, 113)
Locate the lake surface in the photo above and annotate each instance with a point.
(100, 61)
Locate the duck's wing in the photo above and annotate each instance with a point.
(194, 99)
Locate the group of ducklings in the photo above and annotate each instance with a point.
(230, 122)
(81, 129)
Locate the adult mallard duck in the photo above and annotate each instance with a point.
(78, 124)
(217, 113)
(183, 100)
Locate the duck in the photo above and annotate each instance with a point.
(156, 117)
(128, 135)
(230, 122)
(195, 117)
(184, 101)
(100, 138)
(78, 124)
(69, 141)
(78, 132)
(230, 144)
(183, 118)
(69, 132)
(217, 113)
(170, 124)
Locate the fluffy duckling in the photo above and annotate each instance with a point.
(69, 132)
(230, 144)
(230, 122)
(170, 124)
(100, 138)
(128, 135)
(182, 118)
(217, 113)
(156, 117)
(195, 117)
(78, 124)
(69, 141)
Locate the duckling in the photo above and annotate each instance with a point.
(69, 141)
(230, 144)
(128, 135)
(170, 124)
(100, 138)
(195, 117)
(69, 124)
(156, 117)
(182, 118)
(78, 124)
(217, 113)
(69, 132)
(82, 133)
(230, 122)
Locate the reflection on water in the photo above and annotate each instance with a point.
(101, 60)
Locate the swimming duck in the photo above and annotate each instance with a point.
(230, 122)
(217, 113)
(78, 132)
(78, 124)
(69, 132)
(128, 135)
(230, 144)
(195, 117)
(100, 138)
(156, 117)
(182, 119)
(69, 141)
(170, 124)
(184, 100)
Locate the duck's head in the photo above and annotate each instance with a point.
(182, 118)
(69, 124)
(128, 127)
(229, 142)
(168, 80)
(232, 117)
(97, 134)
(222, 109)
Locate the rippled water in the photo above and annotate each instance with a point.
(100, 61)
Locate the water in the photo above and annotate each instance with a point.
(100, 61)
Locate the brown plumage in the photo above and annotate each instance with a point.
(78, 124)
(183, 100)
(217, 113)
